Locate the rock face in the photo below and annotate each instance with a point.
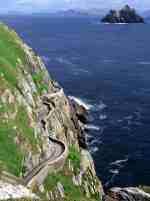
(125, 15)
(8, 191)
(127, 194)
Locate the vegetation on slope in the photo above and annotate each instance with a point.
(15, 128)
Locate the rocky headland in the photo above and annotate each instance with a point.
(43, 150)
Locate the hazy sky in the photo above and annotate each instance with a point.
(41, 5)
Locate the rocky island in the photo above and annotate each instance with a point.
(125, 15)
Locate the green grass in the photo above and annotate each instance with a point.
(39, 81)
(71, 191)
(23, 125)
(75, 158)
(9, 47)
(6, 108)
(10, 155)
(10, 51)
(8, 72)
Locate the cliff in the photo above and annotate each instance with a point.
(125, 15)
(42, 145)
(43, 153)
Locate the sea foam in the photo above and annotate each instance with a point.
(119, 162)
(92, 127)
(86, 105)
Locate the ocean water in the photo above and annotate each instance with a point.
(108, 68)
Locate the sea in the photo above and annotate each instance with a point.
(106, 68)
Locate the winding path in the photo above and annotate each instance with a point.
(55, 161)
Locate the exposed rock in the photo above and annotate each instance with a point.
(125, 15)
(77, 179)
(9, 191)
(87, 161)
(81, 112)
(86, 189)
(61, 190)
(127, 194)
(26, 90)
(7, 97)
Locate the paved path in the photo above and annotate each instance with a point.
(58, 148)
(56, 159)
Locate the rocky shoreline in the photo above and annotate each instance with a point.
(113, 194)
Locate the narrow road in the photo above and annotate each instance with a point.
(58, 149)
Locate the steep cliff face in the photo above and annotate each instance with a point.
(36, 120)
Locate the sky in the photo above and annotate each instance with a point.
(53, 5)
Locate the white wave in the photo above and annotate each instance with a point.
(46, 59)
(115, 23)
(119, 120)
(128, 117)
(79, 101)
(94, 141)
(119, 162)
(92, 127)
(88, 136)
(108, 61)
(103, 117)
(114, 171)
(121, 23)
(144, 62)
(102, 105)
(63, 61)
(82, 70)
(76, 73)
(93, 150)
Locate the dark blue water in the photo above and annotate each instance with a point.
(102, 64)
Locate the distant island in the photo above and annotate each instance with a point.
(125, 15)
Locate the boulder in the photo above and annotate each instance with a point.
(127, 194)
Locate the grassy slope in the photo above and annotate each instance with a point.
(11, 155)
(10, 52)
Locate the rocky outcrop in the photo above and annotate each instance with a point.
(127, 194)
(81, 112)
(125, 15)
(9, 191)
